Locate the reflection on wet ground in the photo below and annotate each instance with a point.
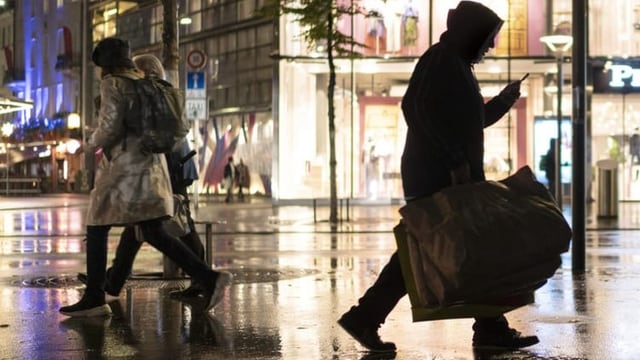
(290, 288)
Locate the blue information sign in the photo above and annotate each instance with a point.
(195, 80)
(196, 85)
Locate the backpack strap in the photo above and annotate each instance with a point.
(124, 120)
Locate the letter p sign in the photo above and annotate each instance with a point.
(619, 73)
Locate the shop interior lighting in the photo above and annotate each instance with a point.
(558, 43)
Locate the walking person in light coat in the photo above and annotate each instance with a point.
(131, 187)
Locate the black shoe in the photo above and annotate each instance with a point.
(367, 336)
(508, 339)
(82, 277)
(189, 293)
(87, 306)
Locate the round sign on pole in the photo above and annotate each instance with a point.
(196, 59)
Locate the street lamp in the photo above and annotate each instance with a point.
(7, 130)
(73, 121)
(559, 43)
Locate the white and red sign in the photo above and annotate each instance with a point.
(196, 59)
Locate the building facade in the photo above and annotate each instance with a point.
(42, 67)
(265, 89)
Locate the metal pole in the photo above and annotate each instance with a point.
(558, 157)
(579, 135)
(6, 148)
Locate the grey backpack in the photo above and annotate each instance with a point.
(161, 123)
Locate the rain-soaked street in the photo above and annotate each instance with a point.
(293, 280)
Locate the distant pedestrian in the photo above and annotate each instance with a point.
(229, 178)
(445, 114)
(244, 179)
(548, 165)
(131, 187)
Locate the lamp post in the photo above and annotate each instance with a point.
(7, 130)
(559, 44)
(73, 121)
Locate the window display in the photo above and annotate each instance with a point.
(392, 27)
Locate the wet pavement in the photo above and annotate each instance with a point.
(293, 280)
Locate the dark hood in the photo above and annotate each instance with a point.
(470, 27)
(112, 52)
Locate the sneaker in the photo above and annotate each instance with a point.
(86, 307)
(509, 339)
(367, 336)
(223, 281)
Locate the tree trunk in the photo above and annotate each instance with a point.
(170, 55)
(170, 59)
(333, 206)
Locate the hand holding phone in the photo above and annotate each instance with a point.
(511, 92)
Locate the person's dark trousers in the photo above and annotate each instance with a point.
(193, 242)
(120, 269)
(97, 237)
(127, 251)
(177, 251)
(192, 239)
(378, 301)
(229, 197)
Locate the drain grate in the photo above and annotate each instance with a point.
(48, 282)
(155, 280)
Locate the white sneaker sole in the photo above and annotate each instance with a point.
(101, 310)
(110, 298)
(222, 282)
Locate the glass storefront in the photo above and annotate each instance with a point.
(370, 133)
(616, 119)
(370, 127)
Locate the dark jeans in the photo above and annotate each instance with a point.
(154, 234)
(128, 248)
(378, 301)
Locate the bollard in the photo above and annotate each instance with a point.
(607, 188)
(315, 219)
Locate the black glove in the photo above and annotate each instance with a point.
(510, 94)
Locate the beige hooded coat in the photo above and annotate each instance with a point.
(130, 186)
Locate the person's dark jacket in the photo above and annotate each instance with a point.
(443, 107)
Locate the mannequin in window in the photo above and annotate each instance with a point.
(410, 26)
(393, 11)
(375, 39)
(634, 147)
(634, 151)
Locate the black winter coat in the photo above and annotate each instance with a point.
(445, 111)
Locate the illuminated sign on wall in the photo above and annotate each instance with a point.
(617, 76)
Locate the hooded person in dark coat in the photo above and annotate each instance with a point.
(446, 114)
